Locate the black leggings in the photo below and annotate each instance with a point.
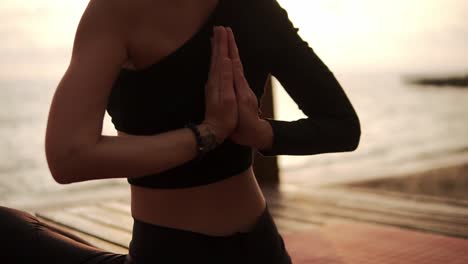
(25, 239)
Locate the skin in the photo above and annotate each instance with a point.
(77, 151)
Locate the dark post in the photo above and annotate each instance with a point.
(266, 168)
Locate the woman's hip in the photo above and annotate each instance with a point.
(159, 244)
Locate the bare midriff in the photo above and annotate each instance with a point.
(218, 209)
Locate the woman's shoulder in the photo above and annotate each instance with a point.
(115, 11)
(107, 17)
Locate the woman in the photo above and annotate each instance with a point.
(188, 119)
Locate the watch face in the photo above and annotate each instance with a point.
(208, 142)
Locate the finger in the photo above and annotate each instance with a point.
(231, 55)
(240, 84)
(231, 44)
(226, 91)
(227, 79)
(242, 87)
(223, 43)
(234, 56)
(234, 51)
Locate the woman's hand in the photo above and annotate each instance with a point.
(220, 99)
(251, 129)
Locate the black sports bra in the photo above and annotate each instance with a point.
(170, 93)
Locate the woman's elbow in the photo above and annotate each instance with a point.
(57, 163)
(58, 172)
(61, 179)
(352, 134)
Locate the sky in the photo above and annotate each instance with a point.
(411, 35)
(401, 36)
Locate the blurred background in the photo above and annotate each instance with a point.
(372, 46)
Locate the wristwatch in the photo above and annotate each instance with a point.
(205, 142)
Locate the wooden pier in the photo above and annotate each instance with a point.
(319, 225)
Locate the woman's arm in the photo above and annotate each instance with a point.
(75, 149)
(332, 124)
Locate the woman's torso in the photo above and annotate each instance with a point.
(218, 209)
(221, 208)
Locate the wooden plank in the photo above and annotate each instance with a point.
(407, 212)
(437, 211)
(372, 215)
(294, 213)
(460, 212)
(441, 218)
(399, 221)
(119, 206)
(442, 213)
(104, 216)
(409, 196)
(434, 217)
(68, 197)
(105, 232)
(286, 225)
(395, 220)
(96, 241)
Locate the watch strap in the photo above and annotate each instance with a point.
(205, 142)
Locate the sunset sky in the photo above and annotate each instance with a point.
(349, 35)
